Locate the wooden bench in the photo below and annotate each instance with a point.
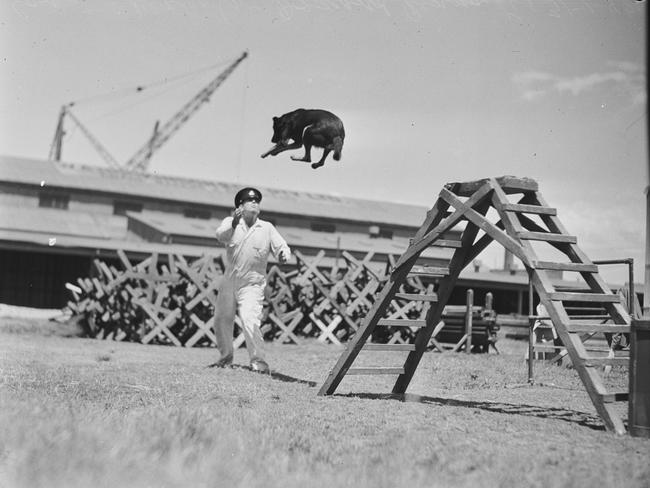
(452, 330)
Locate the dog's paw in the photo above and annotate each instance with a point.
(316, 165)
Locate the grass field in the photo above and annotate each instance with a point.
(80, 412)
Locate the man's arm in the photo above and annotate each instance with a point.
(225, 230)
(227, 227)
(279, 246)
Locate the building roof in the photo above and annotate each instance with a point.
(176, 234)
(203, 192)
(177, 228)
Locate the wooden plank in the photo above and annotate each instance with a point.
(579, 267)
(510, 184)
(431, 271)
(378, 370)
(486, 226)
(421, 242)
(596, 327)
(402, 323)
(619, 396)
(602, 318)
(585, 297)
(605, 361)
(532, 209)
(447, 243)
(546, 347)
(388, 347)
(172, 278)
(547, 237)
(420, 297)
(444, 291)
(125, 260)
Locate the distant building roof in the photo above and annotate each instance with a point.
(107, 180)
(178, 229)
(168, 233)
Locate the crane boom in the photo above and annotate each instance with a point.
(55, 150)
(140, 159)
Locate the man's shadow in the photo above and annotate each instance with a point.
(272, 374)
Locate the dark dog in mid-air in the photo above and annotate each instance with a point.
(318, 128)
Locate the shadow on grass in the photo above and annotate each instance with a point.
(571, 416)
(273, 374)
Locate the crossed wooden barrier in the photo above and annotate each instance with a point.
(171, 299)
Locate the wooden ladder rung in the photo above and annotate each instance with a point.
(420, 297)
(533, 209)
(615, 396)
(388, 347)
(546, 347)
(580, 267)
(376, 370)
(447, 243)
(402, 322)
(587, 310)
(547, 236)
(572, 289)
(602, 318)
(585, 297)
(426, 271)
(596, 327)
(605, 361)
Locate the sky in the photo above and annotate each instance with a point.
(429, 91)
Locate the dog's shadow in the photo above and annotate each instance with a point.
(571, 416)
(272, 374)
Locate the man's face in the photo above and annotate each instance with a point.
(250, 207)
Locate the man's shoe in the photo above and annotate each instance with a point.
(260, 366)
(224, 362)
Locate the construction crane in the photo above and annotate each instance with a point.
(57, 143)
(161, 134)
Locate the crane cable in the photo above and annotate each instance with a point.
(242, 122)
(189, 77)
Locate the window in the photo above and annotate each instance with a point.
(53, 200)
(197, 213)
(121, 207)
(376, 231)
(323, 227)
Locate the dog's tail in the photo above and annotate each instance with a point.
(338, 147)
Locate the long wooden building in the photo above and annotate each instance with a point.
(57, 217)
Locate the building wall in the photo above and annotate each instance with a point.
(37, 279)
(103, 204)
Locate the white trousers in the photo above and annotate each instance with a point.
(247, 298)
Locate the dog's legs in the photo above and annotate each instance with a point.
(322, 159)
(307, 157)
(278, 149)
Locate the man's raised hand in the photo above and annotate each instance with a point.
(236, 216)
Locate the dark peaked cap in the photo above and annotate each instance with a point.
(246, 194)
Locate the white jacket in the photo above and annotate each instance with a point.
(248, 249)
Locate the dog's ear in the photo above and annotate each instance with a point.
(274, 119)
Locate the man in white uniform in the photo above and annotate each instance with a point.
(248, 241)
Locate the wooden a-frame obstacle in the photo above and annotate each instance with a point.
(517, 226)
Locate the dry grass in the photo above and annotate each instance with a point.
(79, 413)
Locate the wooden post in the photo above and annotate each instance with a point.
(489, 300)
(468, 320)
(639, 400)
(531, 332)
(646, 288)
